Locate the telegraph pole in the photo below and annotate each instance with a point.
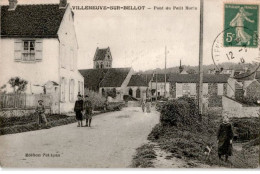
(201, 58)
(165, 72)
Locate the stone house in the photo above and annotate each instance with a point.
(39, 44)
(214, 87)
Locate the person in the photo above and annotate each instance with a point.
(143, 105)
(88, 110)
(238, 22)
(78, 108)
(148, 106)
(40, 111)
(224, 138)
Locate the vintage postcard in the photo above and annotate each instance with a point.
(129, 84)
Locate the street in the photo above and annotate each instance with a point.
(110, 142)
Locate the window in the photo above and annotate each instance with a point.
(27, 50)
(79, 87)
(138, 93)
(71, 94)
(63, 87)
(220, 89)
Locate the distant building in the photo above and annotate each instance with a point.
(103, 58)
(214, 87)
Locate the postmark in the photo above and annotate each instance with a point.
(241, 25)
(244, 56)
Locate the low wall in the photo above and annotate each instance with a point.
(20, 112)
(236, 109)
(133, 103)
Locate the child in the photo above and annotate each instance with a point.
(143, 105)
(78, 108)
(40, 111)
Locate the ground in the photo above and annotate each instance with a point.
(110, 142)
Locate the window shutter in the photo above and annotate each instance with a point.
(18, 50)
(38, 50)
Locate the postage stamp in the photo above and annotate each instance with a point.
(241, 24)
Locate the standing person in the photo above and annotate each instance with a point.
(148, 106)
(88, 110)
(78, 108)
(40, 111)
(224, 138)
(143, 105)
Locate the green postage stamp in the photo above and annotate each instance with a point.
(241, 25)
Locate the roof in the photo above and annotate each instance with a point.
(160, 78)
(115, 77)
(38, 21)
(93, 77)
(137, 80)
(194, 78)
(101, 54)
(247, 76)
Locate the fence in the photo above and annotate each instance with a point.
(23, 101)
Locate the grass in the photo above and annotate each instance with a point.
(189, 142)
(28, 123)
(144, 156)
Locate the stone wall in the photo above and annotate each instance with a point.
(20, 112)
(236, 109)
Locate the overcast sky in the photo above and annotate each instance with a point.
(138, 38)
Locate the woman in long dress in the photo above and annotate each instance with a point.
(238, 22)
(225, 137)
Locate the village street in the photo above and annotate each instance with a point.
(110, 142)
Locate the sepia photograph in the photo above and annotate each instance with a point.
(130, 84)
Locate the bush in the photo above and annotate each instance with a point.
(179, 112)
(97, 100)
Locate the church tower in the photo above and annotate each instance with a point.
(103, 58)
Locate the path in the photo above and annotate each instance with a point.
(110, 142)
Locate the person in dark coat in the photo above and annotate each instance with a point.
(225, 137)
(78, 108)
(88, 110)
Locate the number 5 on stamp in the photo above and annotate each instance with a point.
(241, 25)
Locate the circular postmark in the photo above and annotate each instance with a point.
(234, 46)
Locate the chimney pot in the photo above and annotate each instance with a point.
(63, 3)
(12, 5)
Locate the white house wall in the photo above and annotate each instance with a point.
(36, 73)
(69, 50)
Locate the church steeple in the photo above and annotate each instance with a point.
(103, 58)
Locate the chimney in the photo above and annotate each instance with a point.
(12, 5)
(63, 4)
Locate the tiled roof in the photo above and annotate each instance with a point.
(115, 77)
(194, 78)
(161, 78)
(137, 80)
(247, 76)
(93, 77)
(38, 21)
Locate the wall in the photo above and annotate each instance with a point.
(235, 109)
(35, 73)
(68, 60)
(142, 91)
(160, 88)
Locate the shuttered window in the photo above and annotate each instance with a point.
(27, 50)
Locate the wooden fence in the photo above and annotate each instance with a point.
(23, 101)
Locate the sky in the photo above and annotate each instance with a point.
(138, 39)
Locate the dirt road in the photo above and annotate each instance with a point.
(110, 142)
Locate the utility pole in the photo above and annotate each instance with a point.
(165, 72)
(201, 58)
(156, 86)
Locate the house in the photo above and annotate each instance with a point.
(157, 85)
(106, 80)
(245, 84)
(38, 43)
(214, 87)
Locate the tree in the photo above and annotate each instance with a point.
(191, 71)
(18, 84)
